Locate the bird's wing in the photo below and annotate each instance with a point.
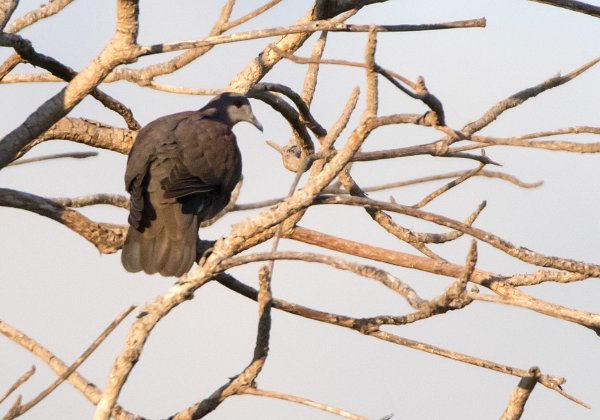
(154, 140)
(203, 162)
(181, 183)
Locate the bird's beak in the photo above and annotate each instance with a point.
(255, 123)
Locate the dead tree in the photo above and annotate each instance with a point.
(322, 158)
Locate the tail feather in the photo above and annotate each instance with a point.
(167, 246)
(130, 256)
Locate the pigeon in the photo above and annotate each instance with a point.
(181, 171)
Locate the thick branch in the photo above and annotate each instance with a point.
(516, 405)
(7, 7)
(496, 282)
(121, 49)
(106, 238)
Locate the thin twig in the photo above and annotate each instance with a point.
(74, 155)
(22, 379)
(300, 400)
(251, 15)
(414, 181)
(382, 276)
(315, 26)
(448, 186)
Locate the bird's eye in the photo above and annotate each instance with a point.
(238, 104)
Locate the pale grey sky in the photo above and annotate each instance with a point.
(56, 288)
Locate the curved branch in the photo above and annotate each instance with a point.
(105, 237)
(576, 6)
(288, 112)
(93, 200)
(382, 276)
(299, 400)
(306, 117)
(42, 12)
(26, 51)
(520, 97)
(72, 155)
(89, 132)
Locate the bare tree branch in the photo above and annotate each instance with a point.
(93, 200)
(89, 132)
(22, 379)
(105, 237)
(448, 186)
(521, 253)
(521, 141)
(27, 52)
(516, 405)
(121, 49)
(552, 382)
(73, 155)
(374, 273)
(246, 378)
(87, 388)
(496, 282)
(520, 97)
(19, 409)
(305, 401)
(7, 7)
(576, 6)
(44, 11)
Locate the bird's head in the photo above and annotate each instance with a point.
(232, 108)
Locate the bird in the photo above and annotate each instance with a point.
(181, 171)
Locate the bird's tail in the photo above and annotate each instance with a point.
(167, 246)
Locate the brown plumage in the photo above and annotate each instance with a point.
(180, 171)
